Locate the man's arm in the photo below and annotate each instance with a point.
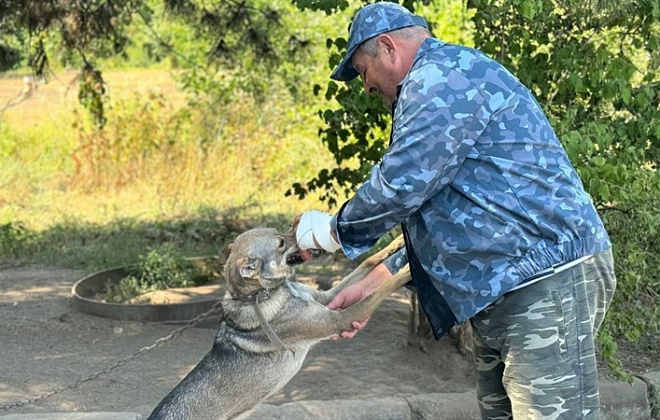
(440, 116)
(358, 291)
(372, 281)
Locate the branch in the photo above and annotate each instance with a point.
(159, 39)
(26, 92)
(604, 208)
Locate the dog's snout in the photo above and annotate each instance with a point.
(295, 259)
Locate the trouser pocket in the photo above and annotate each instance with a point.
(561, 323)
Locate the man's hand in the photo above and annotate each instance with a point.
(296, 222)
(356, 292)
(350, 296)
(312, 230)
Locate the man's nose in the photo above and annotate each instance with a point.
(369, 89)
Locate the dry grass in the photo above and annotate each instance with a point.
(55, 98)
(43, 181)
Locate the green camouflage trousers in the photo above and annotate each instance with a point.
(534, 347)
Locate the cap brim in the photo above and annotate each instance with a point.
(345, 71)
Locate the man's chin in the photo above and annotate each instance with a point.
(388, 105)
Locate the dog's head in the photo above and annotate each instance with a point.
(260, 259)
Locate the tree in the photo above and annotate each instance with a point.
(79, 33)
(355, 132)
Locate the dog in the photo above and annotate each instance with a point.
(268, 325)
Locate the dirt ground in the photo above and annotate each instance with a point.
(45, 345)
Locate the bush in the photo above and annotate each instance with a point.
(159, 269)
(593, 67)
(12, 238)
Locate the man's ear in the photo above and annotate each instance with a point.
(250, 268)
(224, 254)
(386, 45)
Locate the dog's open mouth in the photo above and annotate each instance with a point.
(298, 257)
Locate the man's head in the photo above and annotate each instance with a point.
(382, 43)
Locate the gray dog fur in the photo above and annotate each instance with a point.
(245, 365)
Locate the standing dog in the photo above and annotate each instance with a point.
(269, 323)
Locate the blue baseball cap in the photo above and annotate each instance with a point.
(370, 21)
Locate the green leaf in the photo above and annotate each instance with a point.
(604, 191)
(626, 95)
(527, 9)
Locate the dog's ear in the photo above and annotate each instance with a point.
(224, 254)
(250, 268)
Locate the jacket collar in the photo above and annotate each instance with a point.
(429, 44)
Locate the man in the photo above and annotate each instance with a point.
(499, 230)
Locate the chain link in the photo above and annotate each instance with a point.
(158, 343)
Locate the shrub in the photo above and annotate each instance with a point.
(12, 238)
(161, 268)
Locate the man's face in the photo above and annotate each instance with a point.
(380, 74)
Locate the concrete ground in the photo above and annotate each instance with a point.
(619, 401)
(46, 345)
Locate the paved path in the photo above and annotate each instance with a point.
(45, 345)
(620, 401)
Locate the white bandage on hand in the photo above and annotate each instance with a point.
(315, 225)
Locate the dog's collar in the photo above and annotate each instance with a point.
(258, 296)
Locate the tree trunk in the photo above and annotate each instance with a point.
(419, 327)
(420, 333)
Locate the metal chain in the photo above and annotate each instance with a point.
(161, 341)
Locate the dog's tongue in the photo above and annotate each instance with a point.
(305, 254)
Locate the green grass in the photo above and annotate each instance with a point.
(121, 242)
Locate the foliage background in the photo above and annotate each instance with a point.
(593, 67)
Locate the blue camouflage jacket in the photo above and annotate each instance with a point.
(481, 183)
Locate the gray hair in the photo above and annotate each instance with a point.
(370, 46)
